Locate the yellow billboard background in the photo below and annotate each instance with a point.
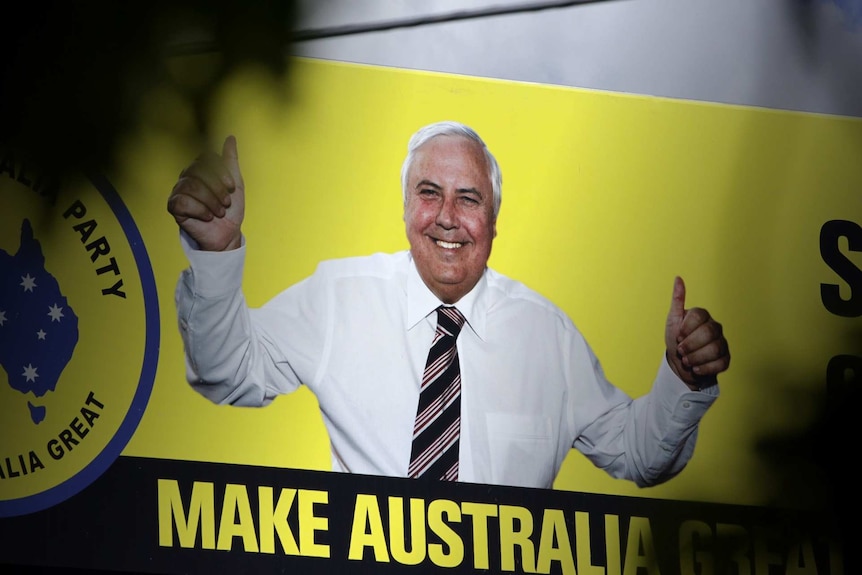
(606, 197)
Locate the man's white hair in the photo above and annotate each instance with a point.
(449, 128)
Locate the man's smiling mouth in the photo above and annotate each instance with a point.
(448, 245)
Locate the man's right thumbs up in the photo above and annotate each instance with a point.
(208, 200)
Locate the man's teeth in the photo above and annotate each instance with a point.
(448, 245)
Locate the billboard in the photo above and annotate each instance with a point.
(606, 198)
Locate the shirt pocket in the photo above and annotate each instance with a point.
(521, 449)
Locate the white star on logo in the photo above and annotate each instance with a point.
(27, 282)
(30, 373)
(55, 312)
(41, 334)
(2, 317)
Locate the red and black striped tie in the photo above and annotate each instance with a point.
(438, 418)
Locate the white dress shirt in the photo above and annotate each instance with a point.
(357, 333)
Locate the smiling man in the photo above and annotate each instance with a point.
(426, 363)
(450, 213)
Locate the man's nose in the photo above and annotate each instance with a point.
(447, 217)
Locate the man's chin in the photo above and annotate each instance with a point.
(449, 268)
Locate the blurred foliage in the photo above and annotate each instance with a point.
(814, 465)
(75, 72)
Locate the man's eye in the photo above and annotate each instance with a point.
(428, 192)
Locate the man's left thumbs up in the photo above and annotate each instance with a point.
(696, 348)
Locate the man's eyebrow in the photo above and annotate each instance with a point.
(428, 183)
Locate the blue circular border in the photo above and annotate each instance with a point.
(118, 442)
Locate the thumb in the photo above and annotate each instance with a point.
(231, 159)
(677, 302)
(675, 315)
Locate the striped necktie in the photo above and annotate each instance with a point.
(438, 417)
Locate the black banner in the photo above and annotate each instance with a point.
(164, 516)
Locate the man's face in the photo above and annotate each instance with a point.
(449, 215)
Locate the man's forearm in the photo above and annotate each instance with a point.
(218, 344)
(663, 428)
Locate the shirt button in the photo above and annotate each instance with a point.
(686, 404)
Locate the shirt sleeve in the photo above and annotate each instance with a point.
(237, 355)
(647, 440)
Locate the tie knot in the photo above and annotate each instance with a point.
(450, 320)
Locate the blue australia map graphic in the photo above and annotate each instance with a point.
(38, 329)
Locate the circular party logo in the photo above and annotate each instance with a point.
(79, 333)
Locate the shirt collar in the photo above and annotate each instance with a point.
(421, 302)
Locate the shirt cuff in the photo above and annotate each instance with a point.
(215, 274)
(685, 404)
